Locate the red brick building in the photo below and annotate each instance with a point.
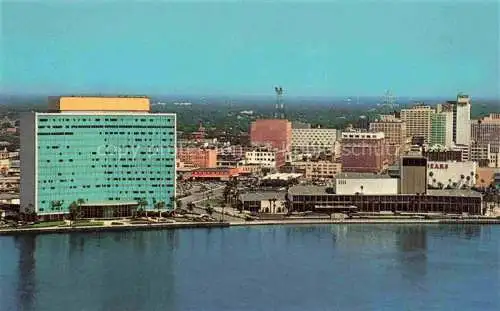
(275, 133)
(363, 152)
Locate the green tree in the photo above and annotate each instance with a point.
(74, 212)
(172, 202)
(142, 203)
(159, 206)
(190, 206)
(209, 209)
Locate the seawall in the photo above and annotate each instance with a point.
(136, 227)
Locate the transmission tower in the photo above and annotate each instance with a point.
(389, 100)
(279, 109)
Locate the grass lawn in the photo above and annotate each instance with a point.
(47, 224)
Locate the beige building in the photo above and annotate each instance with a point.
(319, 169)
(487, 130)
(418, 121)
(313, 140)
(394, 130)
(413, 175)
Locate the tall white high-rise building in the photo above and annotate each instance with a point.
(461, 120)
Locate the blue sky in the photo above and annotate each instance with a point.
(328, 48)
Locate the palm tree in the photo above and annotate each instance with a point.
(143, 203)
(288, 204)
(172, 202)
(190, 206)
(223, 208)
(468, 179)
(80, 202)
(31, 212)
(178, 203)
(440, 185)
(210, 209)
(433, 181)
(74, 212)
(361, 187)
(159, 206)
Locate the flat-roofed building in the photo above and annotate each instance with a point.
(219, 173)
(418, 121)
(451, 174)
(313, 140)
(265, 157)
(487, 130)
(443, 155)
(198, 157)
(461, 120)
(112, 159)
(394, 130)
(275, 133)
(365, 183)
(321, 199)
(442, 128)
(413, 170)
(318, 170)
(229, 161)
(395, 136)
(363, 151)
(99, 103)
(272, 202)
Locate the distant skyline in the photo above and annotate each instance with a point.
(328, 48)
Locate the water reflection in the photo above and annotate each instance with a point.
(411, 243)
(114, 271)
(148, 269)
(26, 244)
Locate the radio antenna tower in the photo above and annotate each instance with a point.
(279, 109)
(389, 100)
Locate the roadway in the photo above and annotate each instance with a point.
(200, 197)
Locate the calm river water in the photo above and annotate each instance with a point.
(303, 268)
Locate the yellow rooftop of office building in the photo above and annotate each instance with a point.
(99, 103)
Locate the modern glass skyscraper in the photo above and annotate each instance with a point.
(442, 129)
(113, 160)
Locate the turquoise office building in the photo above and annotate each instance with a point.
(110, 157)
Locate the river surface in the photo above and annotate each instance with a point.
(303, 268)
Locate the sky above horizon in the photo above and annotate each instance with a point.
(328, 48)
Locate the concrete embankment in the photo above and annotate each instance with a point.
(366, 221)
(194, 225)
(134, 227)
